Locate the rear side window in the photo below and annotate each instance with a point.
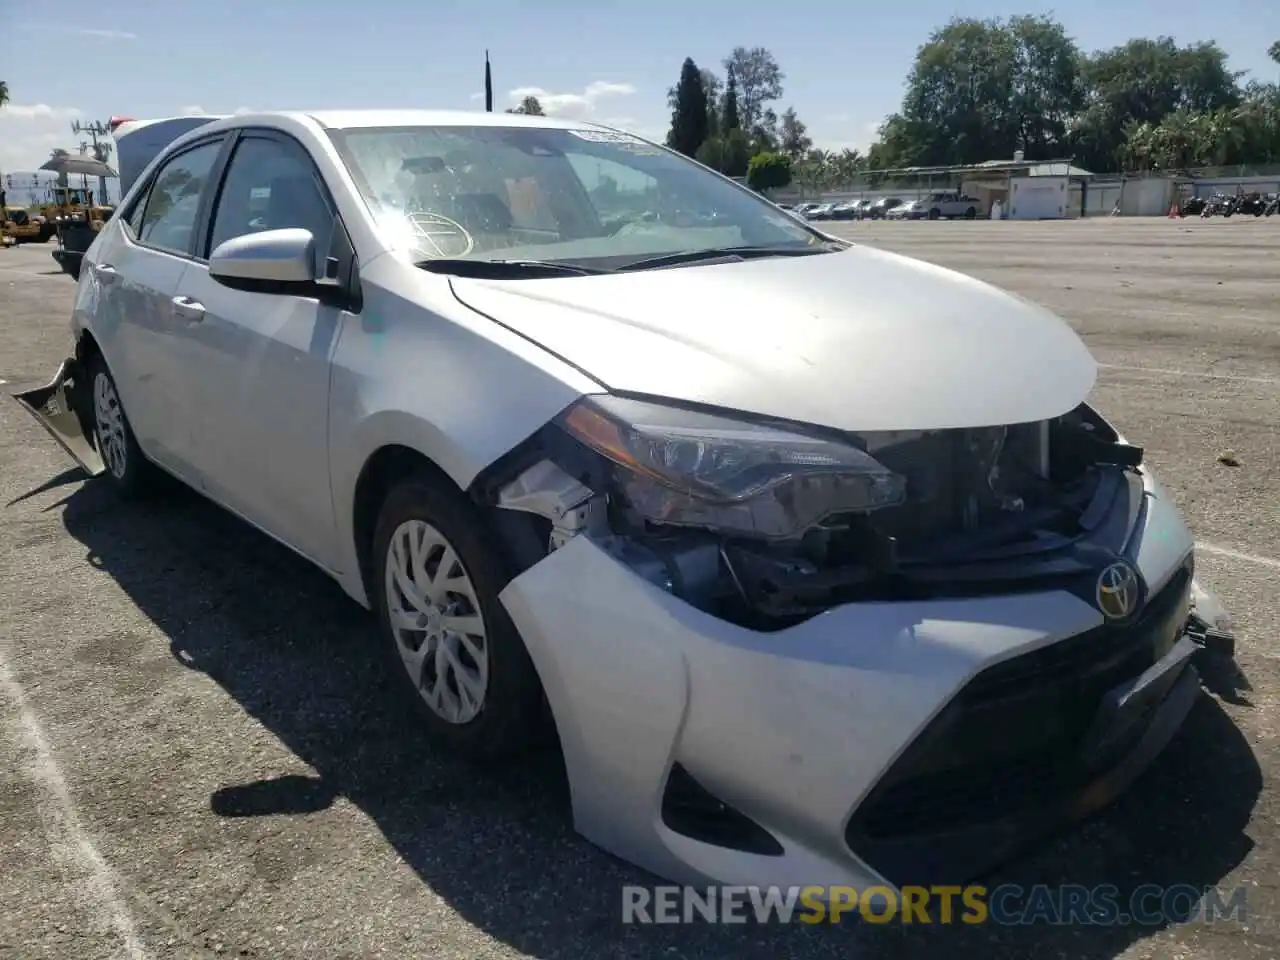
(173, 202)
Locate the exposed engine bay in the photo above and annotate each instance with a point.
(975, 511)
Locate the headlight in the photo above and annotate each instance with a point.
(692, 469)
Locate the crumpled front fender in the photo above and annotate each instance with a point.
(61, 407)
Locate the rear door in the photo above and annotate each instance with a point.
(260, 386)
(137, 273)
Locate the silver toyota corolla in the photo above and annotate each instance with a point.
(821, 562)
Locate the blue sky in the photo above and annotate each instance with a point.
(844, 62)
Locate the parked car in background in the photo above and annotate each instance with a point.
(943, 206)
(902, 211)
(878, 209)
(845, 211)
(862, 208)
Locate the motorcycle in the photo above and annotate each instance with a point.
(1252, 203)
(1192, 206)
(1217, 204)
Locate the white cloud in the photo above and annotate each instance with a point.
(29, 132)
(105, 34)
(838, 136)
(573, 106)
(47, 28)
(195, 110)
(37, 111)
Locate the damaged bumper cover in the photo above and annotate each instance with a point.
(914, 742)
(62, 407)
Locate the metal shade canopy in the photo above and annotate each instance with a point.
(87, 166)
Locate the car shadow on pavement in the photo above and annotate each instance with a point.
(298, 656)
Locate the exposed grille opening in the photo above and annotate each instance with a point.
(1103, 650)
(1010, 743)
(691, 810)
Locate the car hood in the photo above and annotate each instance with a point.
(860, 339)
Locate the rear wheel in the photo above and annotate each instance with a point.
(970, 214)
(128, 469)
(449, 640)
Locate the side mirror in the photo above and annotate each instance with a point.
(266, 258)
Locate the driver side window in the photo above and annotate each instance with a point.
(270, 186)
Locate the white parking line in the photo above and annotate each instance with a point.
(1197, 374)
(1237, 555)
(67, 838)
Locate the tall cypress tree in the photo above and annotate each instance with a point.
(729, 119)
(689, 118)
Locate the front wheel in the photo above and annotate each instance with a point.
(450, 641)
(934, 214)
(128, 469)
(970, 214)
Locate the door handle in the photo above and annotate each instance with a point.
(187, 308)
(105, 272)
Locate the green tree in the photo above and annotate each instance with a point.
(1258, 124)
(711, 87)
(1273, 51)
(793, 135)
(768, 171)
(530, 106)
(981, 89)
(729, 153)
(4, 93)
(730, 117)
(1142, 82)
(759, 83)
(765, 134)
(1045, 91)
(689, 116)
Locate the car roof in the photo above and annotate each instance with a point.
(354, 119)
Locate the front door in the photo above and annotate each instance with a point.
(260, 374)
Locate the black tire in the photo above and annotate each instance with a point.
(970, 214)
(510, 719)
(137, 477)
(934, 214)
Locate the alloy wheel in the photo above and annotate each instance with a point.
(436, 621)
(109, 416)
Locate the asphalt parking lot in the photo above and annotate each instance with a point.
(199, 756)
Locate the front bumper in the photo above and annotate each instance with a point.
(62, 407)
(895, 743)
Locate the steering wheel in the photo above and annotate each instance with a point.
(446, 237)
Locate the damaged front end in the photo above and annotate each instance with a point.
(63, 408)
(765, 524)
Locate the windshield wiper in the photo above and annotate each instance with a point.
(504, 269)
(727, 253)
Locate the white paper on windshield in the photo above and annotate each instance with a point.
(624, 140)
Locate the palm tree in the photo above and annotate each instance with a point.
(4, 93)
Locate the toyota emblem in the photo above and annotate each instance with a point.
(1119, 590)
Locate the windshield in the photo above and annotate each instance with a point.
(588, 196)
